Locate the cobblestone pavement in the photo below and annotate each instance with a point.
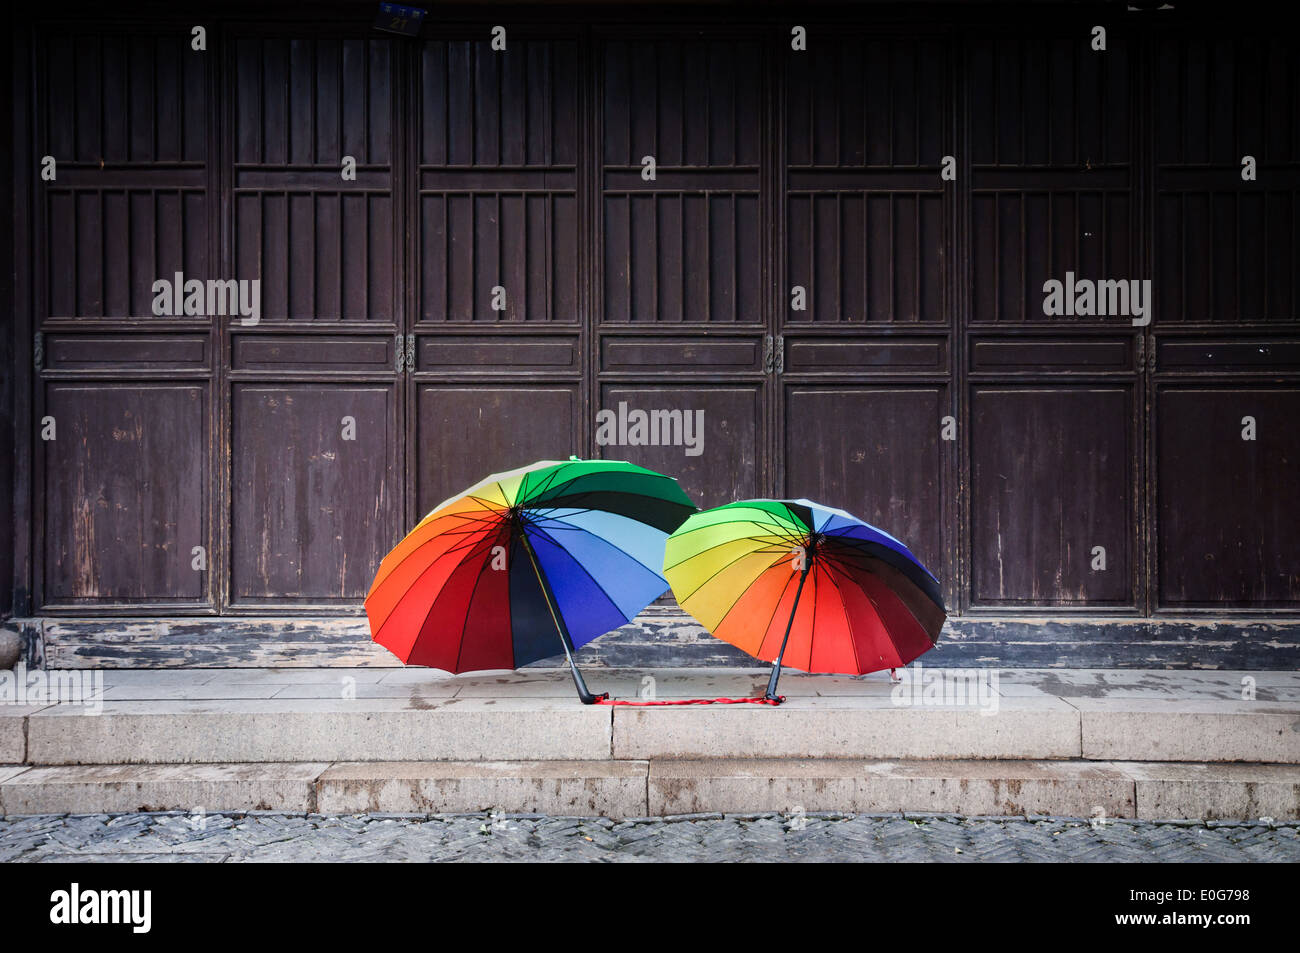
(284, 837)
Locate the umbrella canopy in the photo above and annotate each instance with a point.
(490, 578)
(796, 582)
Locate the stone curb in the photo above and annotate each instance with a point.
(781, 788)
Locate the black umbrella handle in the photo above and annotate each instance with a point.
(771, 694)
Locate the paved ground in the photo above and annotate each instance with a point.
(280, 837)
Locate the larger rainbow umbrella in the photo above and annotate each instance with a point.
(490, 579)
(794, 582)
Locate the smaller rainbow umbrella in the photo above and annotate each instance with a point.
(793, 581)
(490, 578)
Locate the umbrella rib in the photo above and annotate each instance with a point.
(447, 552)
(776, 605)
(884, 624)
(724, 568)
(773, 549)
(460, 645)
(434, 538)
(432, 605)
(762, 518)
(857, 544)
(578, 563)
(545, 484)
(812, 628)
(553, 477)
(605, 539)
(848, 618)
(774, 535)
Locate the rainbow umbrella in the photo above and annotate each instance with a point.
(489, 578)
(742, 570)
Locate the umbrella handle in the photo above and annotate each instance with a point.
(771, 694)
(584, 694)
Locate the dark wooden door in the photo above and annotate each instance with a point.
(864, 319)
(498, 259)
(124, 431)
(1225, 348)
(503, 268)
(1054, 457)
(682, 310)
(313, 411)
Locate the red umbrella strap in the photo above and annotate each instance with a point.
(606, 700)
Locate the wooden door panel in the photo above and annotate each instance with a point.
(125, 485)
(313, 505)
(866, 102)
(323, 246)
(1051, 480)
(723, 465)
(499, 233)
(307, 100)
(1023, 238)
(866, 211)
(105, 246)
(1226, 256)
(682, 257)
(321, 254)
(1225, 96)
(1227, 250)
(1227, 507)
(525, 243)
(480, 108)
(125, 117)
(876, 452)
(1050, 100)
(690, 103)
(1052, 171)
(867, 257)
(138, 97)
(466, 432)
(686, 245)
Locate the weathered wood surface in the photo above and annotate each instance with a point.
(661, 638)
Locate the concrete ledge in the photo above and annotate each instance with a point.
(230, 716)
(106, 789)
(869, 727)
(564, 788)
(8, 771)
(1062, 788)
(374, 729)
(622, 789)
(1193, 730)
(1211, 792)
(13, 732)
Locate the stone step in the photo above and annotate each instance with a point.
(1091, 789)
(633, 788)
(417, 727)
(306, 715)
